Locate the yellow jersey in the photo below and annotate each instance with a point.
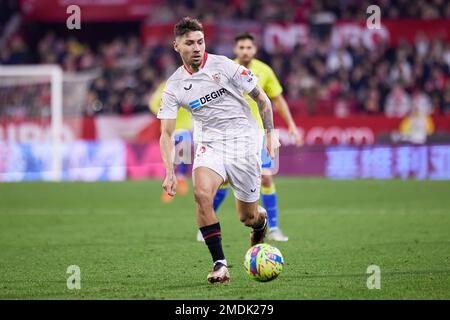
(268, 81)
(183, 117)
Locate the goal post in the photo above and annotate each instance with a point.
(11, 74)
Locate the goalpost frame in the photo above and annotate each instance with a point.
(56, 79)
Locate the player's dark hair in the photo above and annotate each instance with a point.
(187, 24)
(244, 36)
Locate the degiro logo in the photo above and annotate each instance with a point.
(207, 98)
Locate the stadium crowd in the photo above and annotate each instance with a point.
(296, 10)
(318, 79)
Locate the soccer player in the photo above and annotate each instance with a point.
(227, 136)
(183, 131)
(245, 50)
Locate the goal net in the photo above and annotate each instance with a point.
(40, 113)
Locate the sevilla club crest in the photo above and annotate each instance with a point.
(216, 77)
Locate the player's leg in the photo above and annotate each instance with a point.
(269, 197)
(270, 203)
(218, 199)
(254, 216)
(220, 196)
(206, 182)
(182, 186)
(244, 174)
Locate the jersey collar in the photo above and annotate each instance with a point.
(205, 57)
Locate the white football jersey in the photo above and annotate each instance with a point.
(214, 97)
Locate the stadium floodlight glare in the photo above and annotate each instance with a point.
(56, 83)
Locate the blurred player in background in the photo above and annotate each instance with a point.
(245, 50)
(183, 134)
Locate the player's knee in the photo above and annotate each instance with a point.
(266, 181)
(202, 197)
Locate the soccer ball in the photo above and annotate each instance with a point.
(263, 262)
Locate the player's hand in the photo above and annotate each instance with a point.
(295, 135)
(272, 144)
(170, 183)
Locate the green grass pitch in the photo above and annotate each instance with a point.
(129, 245)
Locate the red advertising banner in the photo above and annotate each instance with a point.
(287, 36)
(39, 131)
(392, 31)
(91, 10)
(409, 29)
(221, 34)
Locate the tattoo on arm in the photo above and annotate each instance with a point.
(264, 106)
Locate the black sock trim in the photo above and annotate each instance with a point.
(213, 239)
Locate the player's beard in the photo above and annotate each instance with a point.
(196, 65)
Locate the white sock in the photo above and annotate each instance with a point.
(224, 262)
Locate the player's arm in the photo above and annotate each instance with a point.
(168, 115)
(282, 107)
(167, 148)
(266, 113)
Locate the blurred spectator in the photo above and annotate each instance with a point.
(416, 127)
(398, 103)
(372, 102)
(421, 102)
(446, 99)
(339, 59)
(17, 52)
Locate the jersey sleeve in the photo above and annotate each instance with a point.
(272, 87)
(241, 77)
(169, 106)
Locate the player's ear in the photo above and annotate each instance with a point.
(175, 46)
